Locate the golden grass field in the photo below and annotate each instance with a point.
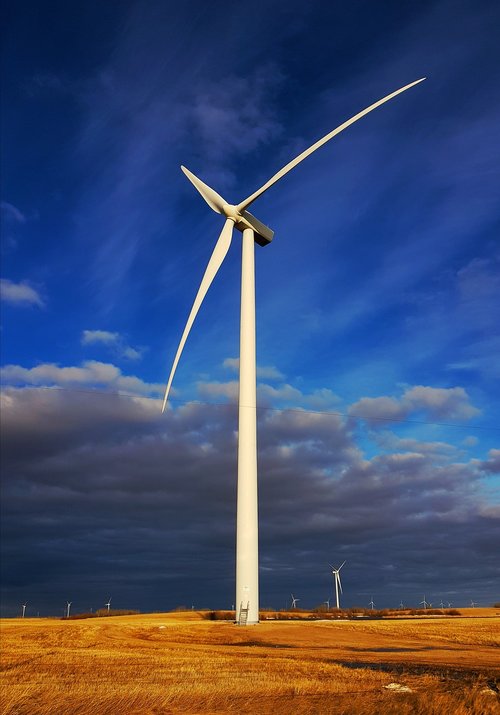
(181, 663)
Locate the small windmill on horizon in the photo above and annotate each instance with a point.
(294, 601)
(24, 608)
(108, 604)
(338, 584)
(68, 608)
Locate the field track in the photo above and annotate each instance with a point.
(161, 664)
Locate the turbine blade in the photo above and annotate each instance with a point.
(218, 255)
(244, 204)
(213, 199)
(341, 565)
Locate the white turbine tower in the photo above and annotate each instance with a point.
(108, 604)
(338, 585)
(294, 601)
(327, 604)
(68, 607)
(371, 604)
(237, 216)
(424, 603)
(24, 608)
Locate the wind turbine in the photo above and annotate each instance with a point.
(424, 603)
(473, 604)
(336, 578)
(327, 604)
(108, 604)
(401, 605)
(237, 216)
(68, 607)
(24, 608)
(294, 601)
(371, 604)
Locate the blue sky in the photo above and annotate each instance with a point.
(377, 302)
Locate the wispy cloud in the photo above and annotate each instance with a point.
(19, 293)
(12, 213)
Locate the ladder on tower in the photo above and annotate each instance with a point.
(243, 614)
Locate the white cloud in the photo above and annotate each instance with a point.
(441, 403)
(269, 372)
(268, 395)
(435, 402)
(19, 293)
(111, 340)
(131, 353)
(90, 374)
(219, 389)
(390, 441)
(99, 336)
(378, 408)
(492, 464)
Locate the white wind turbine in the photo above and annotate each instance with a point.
(338, 585)
(24, 608)
(371, 604)
(294, 601)
(424, 603)
(108, 604)
(247, 576)
(327, 604)
(68, 607)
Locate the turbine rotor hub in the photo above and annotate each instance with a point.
(231, 212)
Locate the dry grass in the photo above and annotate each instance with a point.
(179, 663)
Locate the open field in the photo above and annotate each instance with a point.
(181, 663)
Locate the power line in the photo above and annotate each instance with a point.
(299, 410)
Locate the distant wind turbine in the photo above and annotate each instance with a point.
(450, 604)
(401, 605)
(68, 608)
(371, 604)
(338, 585)
(473, 604)
(441, 604)
(327, 604)
(424, 603)
(237, 216)
(108, 604)
(24, 608)
(294, 601)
